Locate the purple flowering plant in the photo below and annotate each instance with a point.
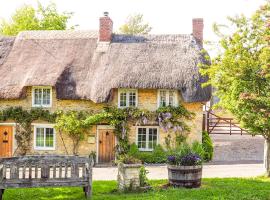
(186, 155)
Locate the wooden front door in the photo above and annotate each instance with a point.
(6, 141)
(106, 153)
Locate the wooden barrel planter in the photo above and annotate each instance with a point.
(185, 176)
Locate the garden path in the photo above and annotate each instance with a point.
(209, 171)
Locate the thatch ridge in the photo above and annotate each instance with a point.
(70, 62)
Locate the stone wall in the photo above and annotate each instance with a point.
(147, 99)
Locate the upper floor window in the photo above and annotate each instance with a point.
(44, 137)
(127, 98)
(42, 96)
(167, 98)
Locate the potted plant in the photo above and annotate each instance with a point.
(128, 173)
(185, 166)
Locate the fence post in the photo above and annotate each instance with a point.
(207, 121)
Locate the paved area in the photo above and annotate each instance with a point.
(209, 171)
(237, 149)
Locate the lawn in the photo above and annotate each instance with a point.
(227, 188)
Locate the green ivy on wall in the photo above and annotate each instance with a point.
(24, 119)
(76, 123)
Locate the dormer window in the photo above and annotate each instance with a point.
(127, 98)
(167, 98)
(42, 97)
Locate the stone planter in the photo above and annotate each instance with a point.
(128, 176)
(185, 176)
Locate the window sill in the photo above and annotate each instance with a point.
(41, 106)
(146, 150)
(44, 149)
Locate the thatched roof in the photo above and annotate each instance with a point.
(81, 68)
(5, 47)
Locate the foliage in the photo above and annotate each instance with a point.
(24, 119)
(29, 18)
(207, 145)
(175, 118)
(158, 155)
(169, 118)
(186, 155)
(135, 25)
(241, 73)
(72, 123)
(128, 159)
(143, 177)
(213, 188)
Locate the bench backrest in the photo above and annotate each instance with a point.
(40, 171)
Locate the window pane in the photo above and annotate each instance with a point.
(40, 137)
(162, 98)
(123, 99)
(46, 96)
(37, 96)
(171, 98)
(142, 138)
(152, 138)
(49, 137)
(132, 99)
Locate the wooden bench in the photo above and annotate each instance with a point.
(46, 171)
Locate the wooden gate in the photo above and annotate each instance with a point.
(106, 153)
(222, 125)
(6, 141)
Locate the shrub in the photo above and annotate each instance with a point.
(128, 159)
(158, 155)
(207, 145)
(133, 150)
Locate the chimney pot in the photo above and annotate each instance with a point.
(197, 29)
(106, 14)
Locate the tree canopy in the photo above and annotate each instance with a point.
(135, 25)
(29, 18)
(240, 73)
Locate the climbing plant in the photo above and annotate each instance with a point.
(168, 118)
(24, 119)
(76, 123)
(72, 123)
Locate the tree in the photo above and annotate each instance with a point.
(29, 18)
(241, 74)
(135, 25)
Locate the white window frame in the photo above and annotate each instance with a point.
(33, 96)
(147, 137)
(176, 103)
(35, 134)
(127, 91)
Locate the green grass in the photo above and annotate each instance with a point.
(218, 189)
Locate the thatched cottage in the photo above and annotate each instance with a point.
(82, 70)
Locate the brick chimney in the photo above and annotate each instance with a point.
(197, 29)
(105, 28)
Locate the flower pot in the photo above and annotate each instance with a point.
(185, 176)
(128, 176)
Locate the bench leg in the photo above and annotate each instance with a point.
(1, 193)
(87, 191)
